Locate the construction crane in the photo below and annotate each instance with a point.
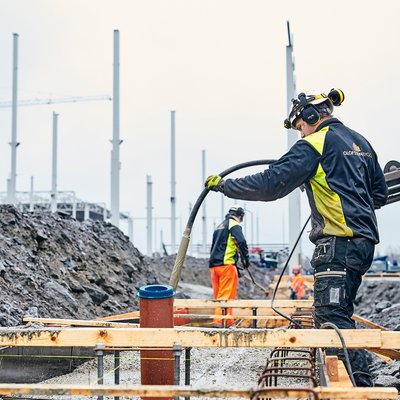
(36, 102)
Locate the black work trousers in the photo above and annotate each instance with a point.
(339, 264)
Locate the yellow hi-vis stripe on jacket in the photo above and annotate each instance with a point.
(230, 252)
(327, 202)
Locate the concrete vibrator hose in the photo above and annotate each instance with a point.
(180, 257)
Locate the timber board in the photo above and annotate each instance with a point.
(197, 337)
(351, 393)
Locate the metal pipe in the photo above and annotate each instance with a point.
(115, 159)
(204, 218)
(254, 314)
(116, 369)
(54, 165)
(99, 349)
(14, 144)
(177, 350)
(173, 185)
(149, 216)
(224, 323)
(74, 206)
(294, 197)
(187, 368)
(31, 207)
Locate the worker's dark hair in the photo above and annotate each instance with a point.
(237, 211)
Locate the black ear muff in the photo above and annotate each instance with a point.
(310, 113)
(286, 124)
(336, 96)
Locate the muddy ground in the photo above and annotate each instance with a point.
(57, 267)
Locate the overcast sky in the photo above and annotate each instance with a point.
(221, 65)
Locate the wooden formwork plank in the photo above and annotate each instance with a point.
(245, 303)
(172, 391)
(386, 354)
(390, 340)
(368, 323)
(190, 337)
(129, 315)
(234, 316)
(80, 322)
(242, 307)
(343, 379)
(332, 369)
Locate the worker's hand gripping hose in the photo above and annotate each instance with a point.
(180, 258)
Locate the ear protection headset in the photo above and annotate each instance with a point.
(309, 112)
(336, 96)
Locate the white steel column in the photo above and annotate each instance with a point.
(191, 234)
(294, 197)
(12, 187)
(149, 216)
(130, 228)
(54, 164)
(31, 207)
(74, 206)
(173, 184)
(204, 217)
(115, 159)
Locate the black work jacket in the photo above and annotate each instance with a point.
(343, 179)
(228, 241)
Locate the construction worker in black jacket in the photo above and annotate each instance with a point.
(344, 184)
(227, 244)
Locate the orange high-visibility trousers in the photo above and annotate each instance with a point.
(224, 279)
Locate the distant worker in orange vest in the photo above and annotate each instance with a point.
(297, 284)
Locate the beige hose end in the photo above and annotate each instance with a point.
(180, 258)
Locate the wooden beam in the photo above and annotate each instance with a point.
(80, 322)
(387, 353)
(245, 303)
(193, 306)
(354, 393)
(343, 379)
(332, 368)
(249, 317)
(195, 337)
(129, 315)
(390, 340)
(366, 322)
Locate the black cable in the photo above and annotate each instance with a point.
(280, 277)
(345, 352)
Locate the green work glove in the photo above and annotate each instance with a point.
(215, 183)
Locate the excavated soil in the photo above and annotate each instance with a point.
(62, 268)
(57, 267)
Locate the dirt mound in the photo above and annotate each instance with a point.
(62, 268)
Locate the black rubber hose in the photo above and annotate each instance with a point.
(180, 257)
(280, 277)
(345, 352)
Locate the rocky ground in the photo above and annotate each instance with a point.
(56, 267)
(61, 268)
